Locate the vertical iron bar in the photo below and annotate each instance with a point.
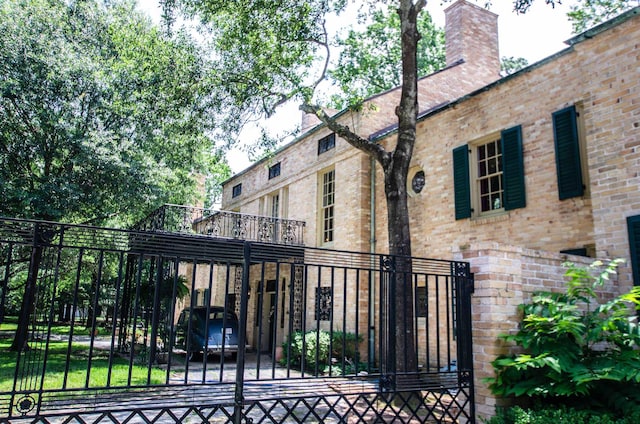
(135, 318)
(371, 313)
(244, 295)
(427, 321)
(292, 289)
(273, 324)
(155, 316)
(73, 317)
(357, 323)
(207, 323)
(303, 329)
(449, 320)
(189, 316)
(116, 307)
(416, 339)
(50, 318)
(318, 314)
(227, 308)
(344, 324)
(261, 293)
(171, 315)
(94, 307)
(406, 314)
(5, 281)
(437, 305)
(331, 320)
(389, 299)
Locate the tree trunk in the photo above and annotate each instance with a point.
(395, 165)
(396, 172)
(400, 248)
(28, 302)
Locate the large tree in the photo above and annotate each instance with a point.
(101, 115)
(273, 51)
(370, 58)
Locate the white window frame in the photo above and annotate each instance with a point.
(487, 181)
(326, 209)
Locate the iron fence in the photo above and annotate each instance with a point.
(106, 325)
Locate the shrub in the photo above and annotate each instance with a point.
(576, 351)
(558, 415)
(316, 344)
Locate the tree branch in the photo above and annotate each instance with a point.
(349, 136)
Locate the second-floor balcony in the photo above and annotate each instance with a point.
(223, 224)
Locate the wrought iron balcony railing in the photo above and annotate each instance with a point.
(224, 224)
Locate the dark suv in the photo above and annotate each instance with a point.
(191, 337)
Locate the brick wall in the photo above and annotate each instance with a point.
(599, 75)
(505, 277)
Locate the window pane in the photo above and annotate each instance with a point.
(494, 184)
(485, 203)
(491, 149)
(482, 169)
(496, 201)
(484, 186)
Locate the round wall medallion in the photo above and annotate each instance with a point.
(418, 182)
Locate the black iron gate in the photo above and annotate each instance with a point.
(103, 325)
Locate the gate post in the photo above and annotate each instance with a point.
(387, 340)
(464, 285)
(242, 337)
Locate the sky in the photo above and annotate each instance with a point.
(539, 33)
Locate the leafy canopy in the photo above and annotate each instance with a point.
(585, 14)
(100, 114)
(370, 60)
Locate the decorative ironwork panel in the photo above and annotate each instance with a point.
(297, 297)
(323, 304)
(225, 224)
(266, 230)
(237, 288)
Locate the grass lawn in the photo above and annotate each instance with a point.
(79, 374)
(11, 324)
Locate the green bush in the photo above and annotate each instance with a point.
(576, 350)
(344, 358)
(558, 415)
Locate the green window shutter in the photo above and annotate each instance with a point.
(633, 226)
(513, 168)
(565, 135)
(462, 189)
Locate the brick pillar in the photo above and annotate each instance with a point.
(505, 277)
(498, 292)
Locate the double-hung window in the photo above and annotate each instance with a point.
(327, 202)
(489, 175)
